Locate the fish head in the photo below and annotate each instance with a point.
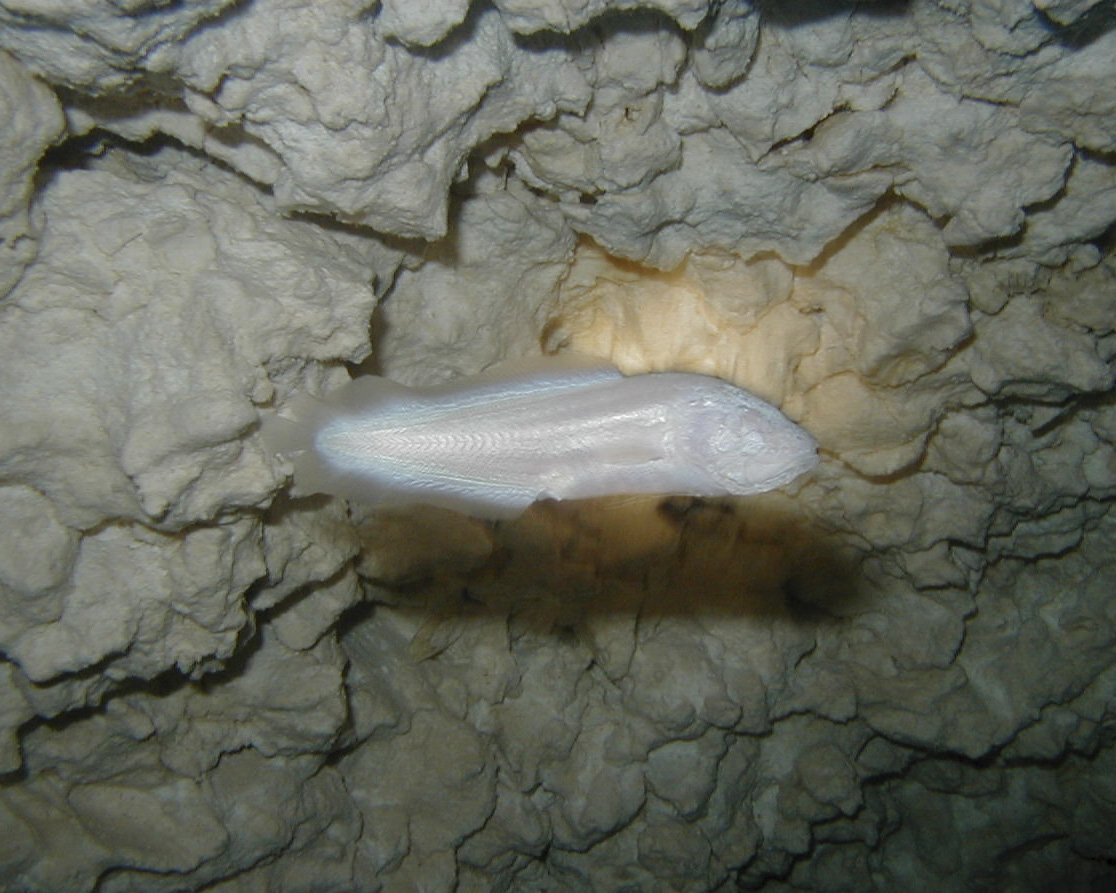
(747, 445)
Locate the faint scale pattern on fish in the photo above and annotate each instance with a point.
(566, 428)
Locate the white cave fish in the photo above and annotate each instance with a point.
(559, 428)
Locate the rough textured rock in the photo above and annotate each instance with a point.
(895, 221)
(32, 121)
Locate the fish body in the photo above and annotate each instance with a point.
(490, 445)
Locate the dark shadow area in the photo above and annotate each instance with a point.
(1073, 407)
(80, 152)
(792, 13)
(996, 244)
(562, 563)
(105, 690)
(377, 334)
(599, 29)
(1078, 34)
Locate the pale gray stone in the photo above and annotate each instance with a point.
(895, 221)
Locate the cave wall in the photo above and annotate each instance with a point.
(894, 220)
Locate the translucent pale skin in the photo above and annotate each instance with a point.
(492, 444)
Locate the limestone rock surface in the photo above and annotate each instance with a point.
(895, 221)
